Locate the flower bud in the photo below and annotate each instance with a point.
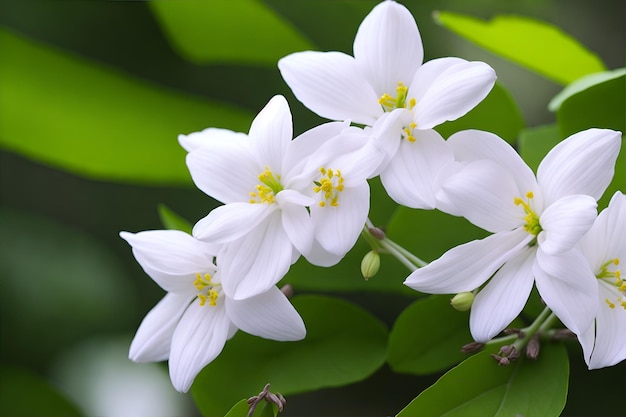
(370, 264)
(462, 301)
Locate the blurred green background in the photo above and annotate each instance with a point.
(111, 82)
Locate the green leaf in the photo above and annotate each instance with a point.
(535, 45)
(536, 142)
(344, 344)
(93, 121)
(245, 31)
(582, 84)
(242, 408)
(428, 336)
(478, 387)
(497, 113)
(23, 393)
(172, 220)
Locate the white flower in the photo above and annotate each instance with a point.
(191, 324)
(535, 225)
(386, 75)
(604, 246)
(264, 224)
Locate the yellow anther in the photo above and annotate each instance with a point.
(610, 304)
(330, 185)
(206, 289)
(267, 190)
(532, 225)
(390, 103)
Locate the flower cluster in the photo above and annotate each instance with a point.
(284, 198)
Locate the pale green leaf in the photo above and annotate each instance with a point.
(242, 31)
(69, 113)
(535, 45)
(241, 409)
(582, 84)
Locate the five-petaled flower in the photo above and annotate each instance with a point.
(387, 84)
(191, 324)
(536, 222)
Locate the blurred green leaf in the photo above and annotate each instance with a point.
(93, 121)
(242, 31)
(478, 387)
(536, 142)
(23, 393)
(344, 344)
(497, 113)
(59, 281)
(535, 45)
(428, 336)
(582, 84)
(172, 220)
(242, 408)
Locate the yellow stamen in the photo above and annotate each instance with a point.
(532, 225)
(206, 289)
(267, 190)
(330, 185)
(390, 103)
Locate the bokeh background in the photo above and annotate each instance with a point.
(71, 294)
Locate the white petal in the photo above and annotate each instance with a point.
(484, 192)
(581, 164)
(503, 298)
(172, 258)
(154, 336)
(388, 47)
(198, 140)
(472, 145)
(254, 263)
(428, 73)
(410, 174)
(330, 84)
(338, 228)
(356, 160)
(565, 222)
(198, 339)
(319, 256)
(298, 225)
(231, 221)
(466, 267)
(386, 135)
(610, 347)
(269, 315)
(224, 170)
(568, 287)
(271, 133)
(454, 93)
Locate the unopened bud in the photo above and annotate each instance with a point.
(377, 232)
(473, 347)
(533, 347)
(370, 264)
(462, 301)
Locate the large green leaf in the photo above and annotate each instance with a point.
(23, 393)
(344, 344)
(242, 408)
(535, 45)
(582, 84)
(242, 31)
(497, 113)
(478, 387)
(93, 121)
(428, 336)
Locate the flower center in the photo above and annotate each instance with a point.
(614, 279)
(206, 289)
(532, 225)
(390, 103)
(330, 185)
(268, 188)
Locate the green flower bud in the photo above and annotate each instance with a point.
(370, 264)
(462, 301)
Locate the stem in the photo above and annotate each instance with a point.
(387, 245)
(542, 322)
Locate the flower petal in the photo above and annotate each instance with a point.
(255, 262)
(386, 135)
(297, 224)
(426, 75)
(231, 221)
(154, 336)
(610, 346)
(565, 222)
(172, 258)
(211, 168)
(319, 256)
(330, 84)
(568, 287)
(467, 266)
(197, 140)
(269, 315)
(504, 297)
(483, 192)
(455, 92)
(198, 339)
(338, 228)
(388, 47)
(581, 164)
(410, 174)
(271, 133)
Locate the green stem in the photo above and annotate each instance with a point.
(387, 245)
